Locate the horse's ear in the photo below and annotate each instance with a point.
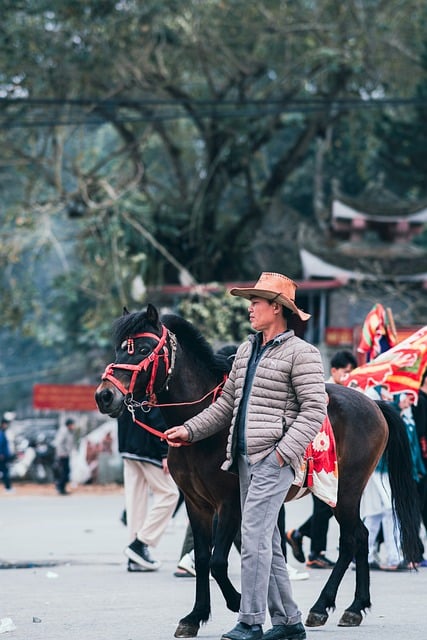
(125, 311)
(152, 315)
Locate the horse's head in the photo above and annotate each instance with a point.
(141, 345)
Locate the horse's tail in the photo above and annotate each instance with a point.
(403, 486)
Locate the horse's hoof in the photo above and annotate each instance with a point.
(316, 619)
(186, 630)
(234, 605)
(350, 619)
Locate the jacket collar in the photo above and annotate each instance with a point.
(279, 339)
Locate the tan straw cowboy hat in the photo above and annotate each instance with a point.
(273, 286)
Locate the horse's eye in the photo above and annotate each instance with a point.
(144, 351)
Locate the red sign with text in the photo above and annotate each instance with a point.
(64, 397)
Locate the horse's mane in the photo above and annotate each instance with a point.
(128, 325)
(189, 337)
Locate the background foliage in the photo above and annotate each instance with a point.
(189, 141)
(222, 319)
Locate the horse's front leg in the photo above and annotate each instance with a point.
(201, 525)
(226, 528)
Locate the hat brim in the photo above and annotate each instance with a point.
(271, 295)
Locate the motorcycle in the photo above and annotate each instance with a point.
(42, 467)
(34, 455)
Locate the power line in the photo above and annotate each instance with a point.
(35, 375)
(126, 102)
(155, 110)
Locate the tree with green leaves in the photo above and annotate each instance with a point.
(403, 150)
(180, 142)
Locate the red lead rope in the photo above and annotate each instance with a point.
(155, 432)
(216, 392)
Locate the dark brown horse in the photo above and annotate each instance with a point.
(169, 360)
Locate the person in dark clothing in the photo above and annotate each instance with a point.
(419, 412)
(315, 528)
(64, 443)
(5, 455)
(145, 472)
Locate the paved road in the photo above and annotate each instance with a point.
(83, 591)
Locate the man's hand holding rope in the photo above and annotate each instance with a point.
(177, 436)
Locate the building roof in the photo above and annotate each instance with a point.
(377, 201)
(334, 265)
(384, 212)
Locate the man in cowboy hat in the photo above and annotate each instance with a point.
(274, 403)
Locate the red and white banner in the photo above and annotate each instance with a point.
(378, 332)
(399, 369)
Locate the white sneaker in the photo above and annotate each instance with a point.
(294, 574)
(187, 563)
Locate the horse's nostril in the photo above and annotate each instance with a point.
(107, 396)
(104, 397)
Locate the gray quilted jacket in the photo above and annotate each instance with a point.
(286, 406)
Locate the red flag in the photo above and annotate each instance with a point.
(378, 332)
(399, 369)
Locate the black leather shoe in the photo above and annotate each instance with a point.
(294, 539)
(285, 632)
(243, 631)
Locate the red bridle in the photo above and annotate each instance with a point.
(160, 351)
